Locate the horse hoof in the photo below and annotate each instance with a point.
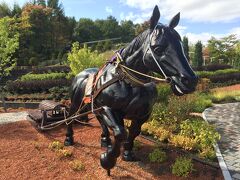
(68, 142)
(129, 156)
(107, 162)
(105, 142)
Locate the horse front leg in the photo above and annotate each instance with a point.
(105, 136)
(134, 131)
(115, 122)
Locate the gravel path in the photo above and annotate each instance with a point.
(226, 118)
(12, 117)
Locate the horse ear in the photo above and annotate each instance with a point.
(155, 17)
(174, 21)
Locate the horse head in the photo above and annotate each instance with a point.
(164, 54)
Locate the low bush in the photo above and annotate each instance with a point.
(223, 78)
(50, 69)
(182, 166)
(77, 165)
(29, 77)
(164, 91)
(55, 146)
(63, 153)
(213, 67)
(184, 142)
(82, 58)
(225, 96)
(157, 155)
(35, 86)
(203, 134)
(208, 74)
(136, 145)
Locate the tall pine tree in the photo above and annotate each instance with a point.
(198, 55)
(186, 47)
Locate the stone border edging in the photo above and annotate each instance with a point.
(221, 161)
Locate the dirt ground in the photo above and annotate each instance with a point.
(25, 154)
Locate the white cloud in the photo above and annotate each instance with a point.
(108, 9)
(136, 18)
(195, 10)
(205, 36)
(236, 31)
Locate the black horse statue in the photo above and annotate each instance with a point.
(132, 96)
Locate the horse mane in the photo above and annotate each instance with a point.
(135, 45)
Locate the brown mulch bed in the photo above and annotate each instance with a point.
(25, 155)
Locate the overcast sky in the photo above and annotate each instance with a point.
(200, 19)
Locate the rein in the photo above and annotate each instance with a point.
(124, 68)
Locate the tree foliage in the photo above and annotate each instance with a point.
(9, 42)
(186, 47)
(82, 58)
(223, 50)
(198, 55)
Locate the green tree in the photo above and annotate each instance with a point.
(236, 59)
(109, 28)
(9, 43)
(82, 58)
(198, 55)
(139, 28)
(127, 30)
(186, 47)
(222, 50)
(86, 30)
(4, 10)
(17, 10)
(41, 2)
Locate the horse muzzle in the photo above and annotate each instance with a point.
(183, 85)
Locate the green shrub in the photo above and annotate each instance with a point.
(157, 155)
(63, 153)
(164, 91)
(56, 146)
(29, 76)
(203, 133)
(184, 142)
(200, 102)
(33, 61)
(136, 145)
(82, 58)
(207, 74)
(35, 86)
(182, 166)
(77, 165)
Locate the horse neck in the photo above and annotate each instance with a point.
(134, 52)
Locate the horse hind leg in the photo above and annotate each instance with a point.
(134, 131)
(76, 101)
(69, 134)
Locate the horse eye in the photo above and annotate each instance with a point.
(158, 49)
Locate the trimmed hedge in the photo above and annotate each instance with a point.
(222, 78)
(208, 74)
(213, 67)
(29, 77)
(35, 86)
(40, 70)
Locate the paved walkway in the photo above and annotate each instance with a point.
(12, 117)
(226, 118)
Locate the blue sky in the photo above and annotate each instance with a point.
(200, 19)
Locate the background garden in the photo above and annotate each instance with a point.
(41, 50)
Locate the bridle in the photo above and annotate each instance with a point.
(152, 54)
